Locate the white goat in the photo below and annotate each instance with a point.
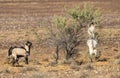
(91, 30)
(92, 45)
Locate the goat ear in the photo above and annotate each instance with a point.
(28, 43)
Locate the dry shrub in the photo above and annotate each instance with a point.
(67, 33)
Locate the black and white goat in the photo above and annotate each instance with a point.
(17, 52)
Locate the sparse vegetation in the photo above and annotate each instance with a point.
(22, 20)
(67, 33)
(40, 75)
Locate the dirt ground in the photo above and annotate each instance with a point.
(22, 20)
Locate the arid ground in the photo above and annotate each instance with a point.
(27, 20)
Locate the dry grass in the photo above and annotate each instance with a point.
(41, 75)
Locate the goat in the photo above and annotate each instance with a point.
(92, 45)
(17, 52)
(91, 30)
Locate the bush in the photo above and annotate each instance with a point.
(86, 15)
(66, 33)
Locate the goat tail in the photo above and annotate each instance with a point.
(10, 51)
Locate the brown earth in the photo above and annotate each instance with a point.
(22, 20)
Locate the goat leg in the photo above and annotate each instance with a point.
(26, 60)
